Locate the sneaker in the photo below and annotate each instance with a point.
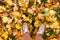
(25, 28)
(41, 29)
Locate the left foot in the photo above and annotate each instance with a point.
(25, 28)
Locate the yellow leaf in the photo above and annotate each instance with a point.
(18, 26)
(5, 35)
(37, 24)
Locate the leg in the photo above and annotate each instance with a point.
(38, 37)
(26, 36)
(26, 32)
(40, 33)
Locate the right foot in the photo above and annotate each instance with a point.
(41, 29)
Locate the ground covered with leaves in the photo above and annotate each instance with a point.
(13, 13)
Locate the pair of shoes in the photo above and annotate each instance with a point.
(40, 31)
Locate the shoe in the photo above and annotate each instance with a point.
(41, 29)
(25, 28)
